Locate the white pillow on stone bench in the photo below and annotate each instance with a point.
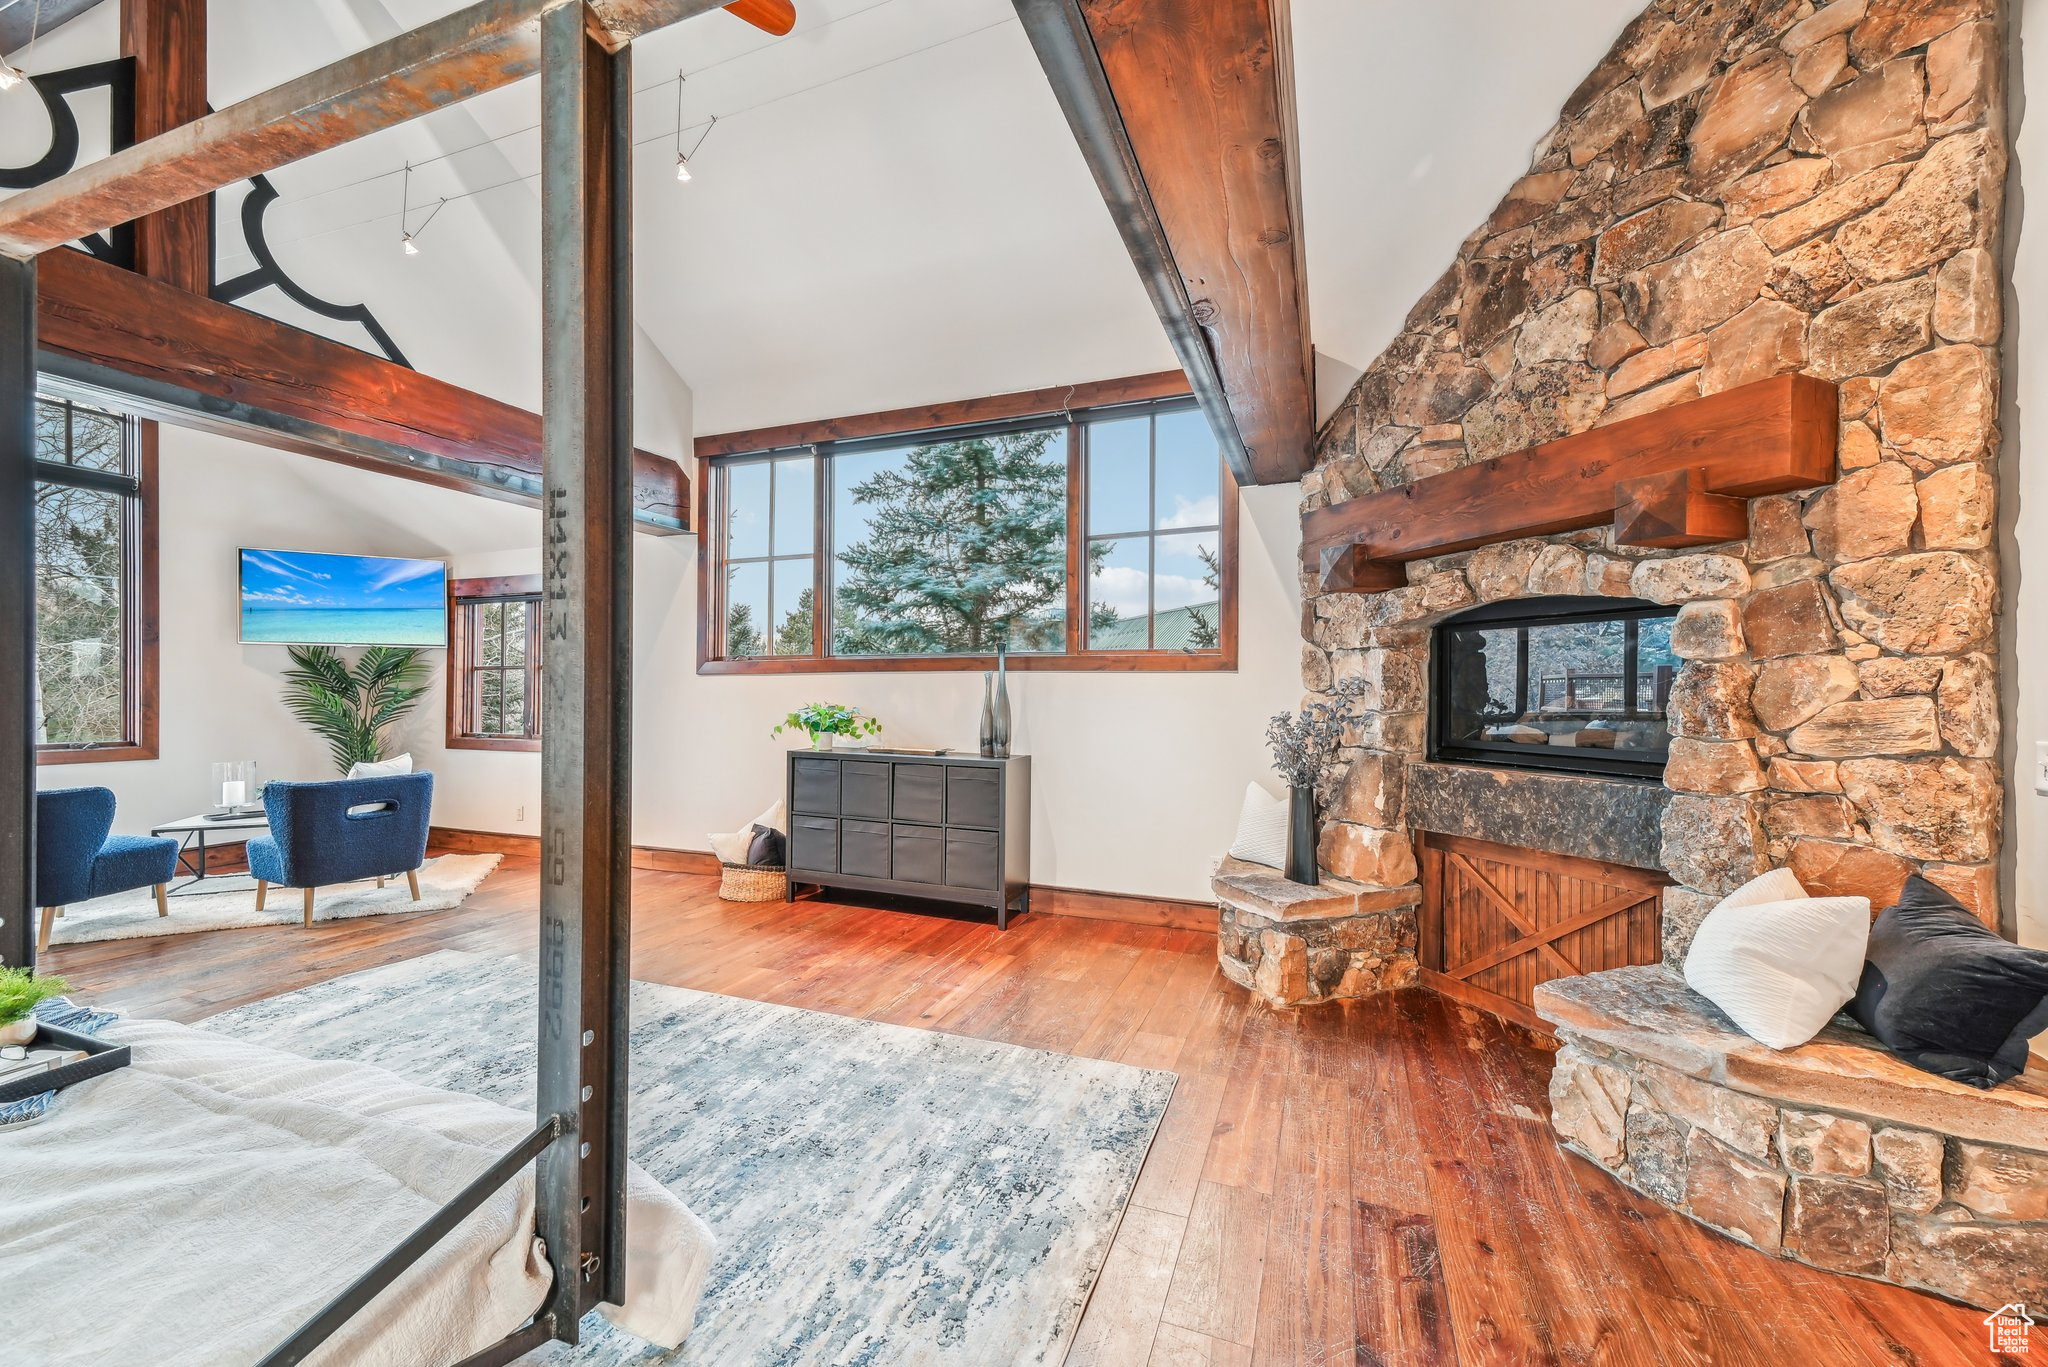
(1777, 962)
(1261, 829)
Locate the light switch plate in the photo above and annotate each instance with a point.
(2041, 767)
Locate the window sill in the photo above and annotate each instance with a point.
(102, 754)
(493, 743)
(1116, 662)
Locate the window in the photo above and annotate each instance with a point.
(1103, 538)
(1155, 528)
(494, 664)
(95, 557)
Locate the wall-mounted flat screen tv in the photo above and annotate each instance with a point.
(312, 598)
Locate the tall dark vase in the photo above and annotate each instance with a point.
(988, 714)
(1002, 727)
(1301, 835)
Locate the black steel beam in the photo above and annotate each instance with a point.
(1059, 34)
(417, 1245)
(17, 611)
(586, 519)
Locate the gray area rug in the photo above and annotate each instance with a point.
(445, 882)
(881, 1195)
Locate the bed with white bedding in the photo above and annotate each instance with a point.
(194, 1208)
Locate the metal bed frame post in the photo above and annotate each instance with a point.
(586, 689)
(17, 611)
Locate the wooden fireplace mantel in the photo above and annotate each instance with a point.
(1676, 477)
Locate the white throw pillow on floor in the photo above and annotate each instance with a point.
(731, 846)
(1780, 964)
(1261, 829)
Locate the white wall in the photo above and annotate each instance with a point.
(2024, 477)
(1414, 119)
(220, 700)
(1138, 777)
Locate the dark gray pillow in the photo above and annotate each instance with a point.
(1947, 994)
(767, 849)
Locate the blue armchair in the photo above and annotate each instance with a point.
(342, 831)
(77, 859)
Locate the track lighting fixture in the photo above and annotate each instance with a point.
(408, 237)
(682, 157)
(10, 74)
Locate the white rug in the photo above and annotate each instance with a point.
(444, 883)
(881, 1196)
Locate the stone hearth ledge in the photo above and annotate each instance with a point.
(1295, 945)
(1836, 1153)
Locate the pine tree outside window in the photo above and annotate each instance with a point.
(1100, 539)
(95, 559)
(494, 664)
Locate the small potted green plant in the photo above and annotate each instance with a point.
(19, 994)
(822, 721)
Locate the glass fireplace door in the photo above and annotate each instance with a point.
(1555, 683)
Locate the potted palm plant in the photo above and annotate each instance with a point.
(19, 994)
(822, 721)
(353, 709)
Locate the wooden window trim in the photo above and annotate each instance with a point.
(1047, 403)
(144, 663)
(461, 594)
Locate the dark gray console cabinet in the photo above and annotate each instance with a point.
(952, 827)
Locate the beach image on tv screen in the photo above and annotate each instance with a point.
(310, 598)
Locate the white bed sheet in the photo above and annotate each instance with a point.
(192, 1209)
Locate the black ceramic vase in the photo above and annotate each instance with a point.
(1301, 835)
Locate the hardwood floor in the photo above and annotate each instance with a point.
(1372, 1183)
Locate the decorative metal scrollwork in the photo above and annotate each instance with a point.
(118, 245)
(262, 194)
(118, 76)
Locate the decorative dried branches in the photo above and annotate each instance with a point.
(1305, 744)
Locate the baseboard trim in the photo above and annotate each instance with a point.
(654, 857)
(1131, 909)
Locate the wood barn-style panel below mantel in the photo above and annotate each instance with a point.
(1675, 477)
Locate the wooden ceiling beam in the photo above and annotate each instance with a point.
(484, 46)
(1201, 95)
(1059, 35)
(1030, 403)
(167, 39)
(195, 362)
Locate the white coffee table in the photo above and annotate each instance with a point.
(192, 832)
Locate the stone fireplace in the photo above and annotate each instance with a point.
(1738, 191)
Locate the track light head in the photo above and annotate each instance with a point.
(682, 168)
(411, 247)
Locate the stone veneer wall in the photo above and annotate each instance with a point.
(1740, 189)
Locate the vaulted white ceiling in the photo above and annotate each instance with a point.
(1414, 120)
(891, 210)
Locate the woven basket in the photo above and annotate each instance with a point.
(752, 883)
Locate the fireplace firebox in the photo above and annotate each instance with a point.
(1570, 683)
